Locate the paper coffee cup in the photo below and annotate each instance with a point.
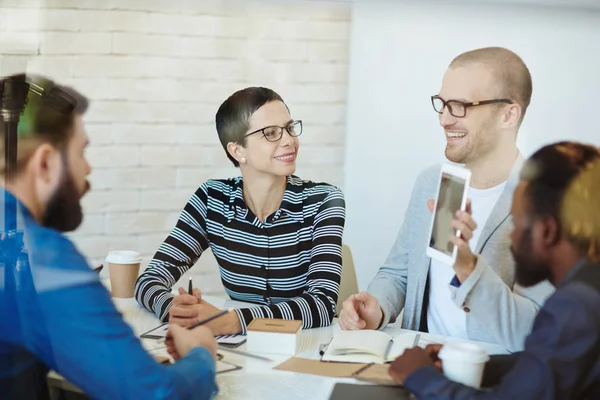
(124, 268)
(463, 362)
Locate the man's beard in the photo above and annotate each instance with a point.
(64, 212)
(529, 270)
(481, 142)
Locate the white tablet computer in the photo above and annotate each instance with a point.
(452, 188)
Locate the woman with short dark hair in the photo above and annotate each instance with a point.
(277, 238)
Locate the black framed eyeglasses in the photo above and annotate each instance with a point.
(274, 133)
(457, 108)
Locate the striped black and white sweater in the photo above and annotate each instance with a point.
(290, 264)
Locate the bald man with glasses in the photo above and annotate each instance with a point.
(481, 105)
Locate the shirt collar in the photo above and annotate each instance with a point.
(294, 210)
(289, 207)
(10, 201)
(237, 207)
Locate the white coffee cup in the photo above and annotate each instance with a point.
(463, 362)
(124, 268)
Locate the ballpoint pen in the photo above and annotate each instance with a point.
(416, 341)
(204, 321)
(323, 348)
(190, 290)
(244, 353)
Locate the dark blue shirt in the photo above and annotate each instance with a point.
(561, 351)
(56, 314)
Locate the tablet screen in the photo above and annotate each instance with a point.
(448, 202)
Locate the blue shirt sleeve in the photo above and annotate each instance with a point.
(75, 329)
(565, 331)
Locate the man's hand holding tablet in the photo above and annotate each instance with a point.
(465, 259)
(450, 218)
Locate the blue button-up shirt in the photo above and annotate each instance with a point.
(55, 313)
(560, 353)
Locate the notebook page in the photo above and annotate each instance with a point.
(354, 346)
(407, 340)
(224, 366)
(160, 332)
(401, 342)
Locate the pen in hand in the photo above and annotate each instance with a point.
(204, 321)
(190, 290)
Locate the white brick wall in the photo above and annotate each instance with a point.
(156, 72)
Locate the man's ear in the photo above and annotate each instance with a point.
(551, 232)
(46, 164)
(511, 115)
(237, 151)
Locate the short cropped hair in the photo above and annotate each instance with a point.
(233, 117)
(48, 116)
(508, 69)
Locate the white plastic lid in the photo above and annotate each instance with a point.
(123, 257)
(463, 351)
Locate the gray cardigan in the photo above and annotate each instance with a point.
(498, 310)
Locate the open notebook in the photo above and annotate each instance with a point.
(369, 346)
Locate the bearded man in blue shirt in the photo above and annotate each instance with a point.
(56, 314)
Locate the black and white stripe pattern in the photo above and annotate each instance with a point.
(291, 263)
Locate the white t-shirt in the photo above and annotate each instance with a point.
(443, 316)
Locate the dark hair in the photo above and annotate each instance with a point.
(234, 114)
(47, 117)
(549, 173)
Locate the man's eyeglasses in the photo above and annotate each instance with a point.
(274, 133)
(457, 108)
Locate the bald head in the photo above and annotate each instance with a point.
(511, 75)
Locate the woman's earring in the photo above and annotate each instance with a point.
(243, 160)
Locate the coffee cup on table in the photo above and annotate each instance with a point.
(124, 268)
(463, 362)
